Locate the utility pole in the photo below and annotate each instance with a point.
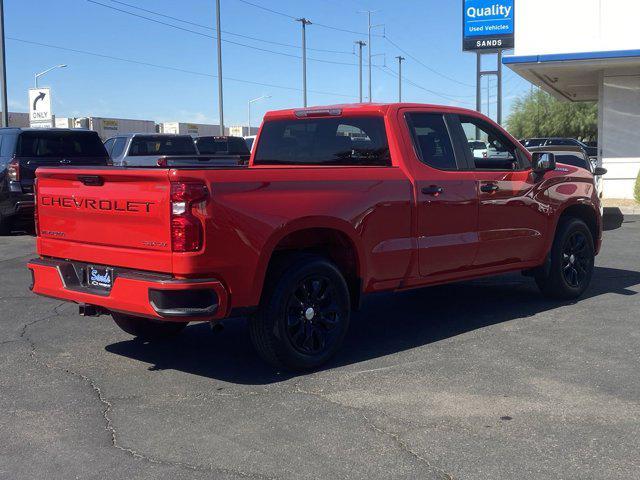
(369, 28)
(360, 44)
(400, 60)
(304, 22)
(220, 100)
(3, 70)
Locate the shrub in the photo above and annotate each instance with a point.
(636, 192)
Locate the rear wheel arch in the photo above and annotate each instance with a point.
(335, 243)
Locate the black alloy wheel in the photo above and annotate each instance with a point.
(312, 315)
(576, 256)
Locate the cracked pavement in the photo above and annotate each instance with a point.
(478, 380)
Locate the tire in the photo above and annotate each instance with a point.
(147, 329)
(304, 315)
(572, 259)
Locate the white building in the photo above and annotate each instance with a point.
(194, 129)
(242, 131)
(588, 50)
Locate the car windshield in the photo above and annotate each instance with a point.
(162, 145)
(53, 144)
(573, 160)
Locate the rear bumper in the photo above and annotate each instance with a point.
(18, 203)
(144, 294)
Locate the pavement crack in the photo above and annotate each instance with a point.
(394, 437)
(108, 407)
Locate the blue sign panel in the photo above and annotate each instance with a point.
(488, 24)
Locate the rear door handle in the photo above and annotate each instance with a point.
(489, 188)
(433, 190)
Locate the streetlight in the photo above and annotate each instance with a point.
(38, 75)
(263, 97)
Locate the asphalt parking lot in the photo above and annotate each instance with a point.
(480, 380)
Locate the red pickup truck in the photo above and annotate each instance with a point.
(336, 202)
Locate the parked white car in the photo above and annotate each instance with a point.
(144, 149)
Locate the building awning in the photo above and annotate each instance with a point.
(575, 77)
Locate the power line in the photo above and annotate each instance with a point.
(282, 14)
(332, 62)
(390, 72)
(414, 58)
(175, 69)
(207, 27)
(268, 9)
(420, 62)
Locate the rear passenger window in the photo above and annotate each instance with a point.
(431, 140)
(324, 141)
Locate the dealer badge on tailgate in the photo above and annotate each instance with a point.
(99, 277)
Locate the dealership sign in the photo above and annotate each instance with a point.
(488, 24)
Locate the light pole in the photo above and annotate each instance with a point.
(263, 97)
(400, 59)
(219, 44)
(38, 75)
(360, 44)
(304, 22)
(3, 71)
(370, 27)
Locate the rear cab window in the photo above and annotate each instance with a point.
(339, 141)
(56, 144)
(161, 145)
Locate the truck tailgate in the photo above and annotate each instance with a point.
(106, 216)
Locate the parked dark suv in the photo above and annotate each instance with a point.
(22, 150)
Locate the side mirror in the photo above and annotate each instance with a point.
(543, 162)
(598, 171)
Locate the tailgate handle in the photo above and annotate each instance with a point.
(91, 180)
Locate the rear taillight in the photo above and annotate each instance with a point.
(35, 206)
(186, 228)
(13, 170)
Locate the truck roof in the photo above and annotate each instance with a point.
(361, 108)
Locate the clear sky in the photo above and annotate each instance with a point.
(185, 89)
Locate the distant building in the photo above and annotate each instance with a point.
(242, 131)
(194, 129)
(18, 120)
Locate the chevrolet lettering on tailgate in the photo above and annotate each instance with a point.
(95, 204)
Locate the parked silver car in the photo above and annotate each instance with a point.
(144, 149)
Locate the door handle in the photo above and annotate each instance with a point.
(433, 190)
(489, 188)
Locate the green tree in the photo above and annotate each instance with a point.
(636, 192)
(538, 114)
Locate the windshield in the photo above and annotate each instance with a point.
(162, 145)
(573, 160)
(56, 144)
